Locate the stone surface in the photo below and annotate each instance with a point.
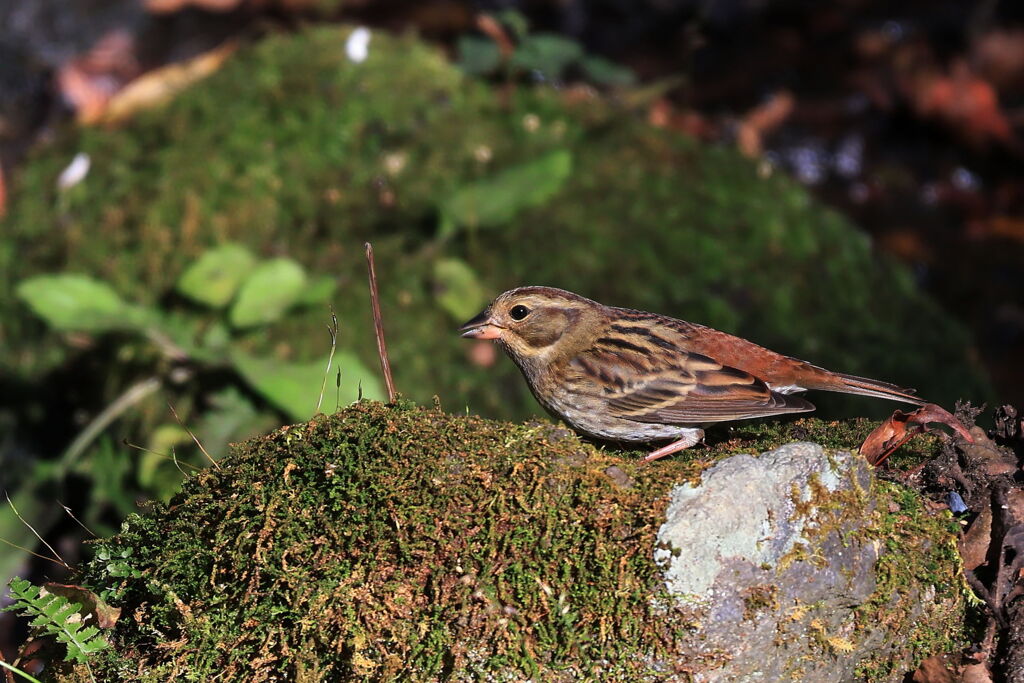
(772, 555)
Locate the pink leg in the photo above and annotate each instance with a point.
(691, 438)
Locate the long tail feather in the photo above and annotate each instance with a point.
(863, 386)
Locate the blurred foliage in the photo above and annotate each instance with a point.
(232, 292)
(169, 252)
(545, 56)
(253, 293)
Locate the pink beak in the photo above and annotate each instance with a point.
(480, 327)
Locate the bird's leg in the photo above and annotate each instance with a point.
(692, 438)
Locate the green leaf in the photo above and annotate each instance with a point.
(515, 21)
(478, 56)
(215, 277)
(548, 53)
(496, 200)
(605, 72)
(459, 291)
(295, 387)
(268, 292)
(78, 303)
(52, 616)
(318, 291)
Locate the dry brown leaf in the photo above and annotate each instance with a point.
(92, 604)
(1008, 227)
(976, 540)
(975, 673)
(88, 81)
(935, 669)
(762, 120)
(169, 6)
(161, 85)
(965, 102)
(989, 457)
(901, 427)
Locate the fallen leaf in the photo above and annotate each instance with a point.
(964, 101)
(168, 6)
(975, 673)
(92, 604)
(987, 456)
(762, 120)
(935, 669)
(976, 540)
(901, 427)
(89, 81)
(161, 85)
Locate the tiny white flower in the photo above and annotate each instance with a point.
(75, 172)
(357, 47)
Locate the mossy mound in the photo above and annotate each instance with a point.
(398, 543)
(293, 148)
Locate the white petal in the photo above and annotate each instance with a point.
(75, 172)
(358, 44)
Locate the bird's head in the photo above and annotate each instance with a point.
(536, 323)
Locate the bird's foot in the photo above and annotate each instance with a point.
(691, 439)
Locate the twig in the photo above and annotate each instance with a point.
(194, 438)
(172, 457)
(332, 329)
(30, 528)
(33, 553)
(72, 516)
(378, 325)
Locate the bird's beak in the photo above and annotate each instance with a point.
(480, 327)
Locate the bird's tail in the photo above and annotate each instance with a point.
(863, 386)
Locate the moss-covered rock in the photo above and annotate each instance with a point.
(292, 148)
(397, 543)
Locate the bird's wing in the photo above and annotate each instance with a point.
(683, 387)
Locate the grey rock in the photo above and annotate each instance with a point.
(766, 557)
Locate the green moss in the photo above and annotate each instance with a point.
(397, 542)
(935, 622)
(387, 543)
(291, 148)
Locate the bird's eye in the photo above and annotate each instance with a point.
(519, 312)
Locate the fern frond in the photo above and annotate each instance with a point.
(54, 615)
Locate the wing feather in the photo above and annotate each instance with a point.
(681, 388)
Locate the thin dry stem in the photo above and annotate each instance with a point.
(78, 521)
(172, 457)
(194, 437)
(378, 325)
(332, 329)
(32, 529)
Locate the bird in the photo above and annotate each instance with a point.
(628, 376)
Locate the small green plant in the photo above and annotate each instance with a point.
(549, 56)
(200, 349)
(53, 615)
(243, 293)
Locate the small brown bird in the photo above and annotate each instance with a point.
(625, 375)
